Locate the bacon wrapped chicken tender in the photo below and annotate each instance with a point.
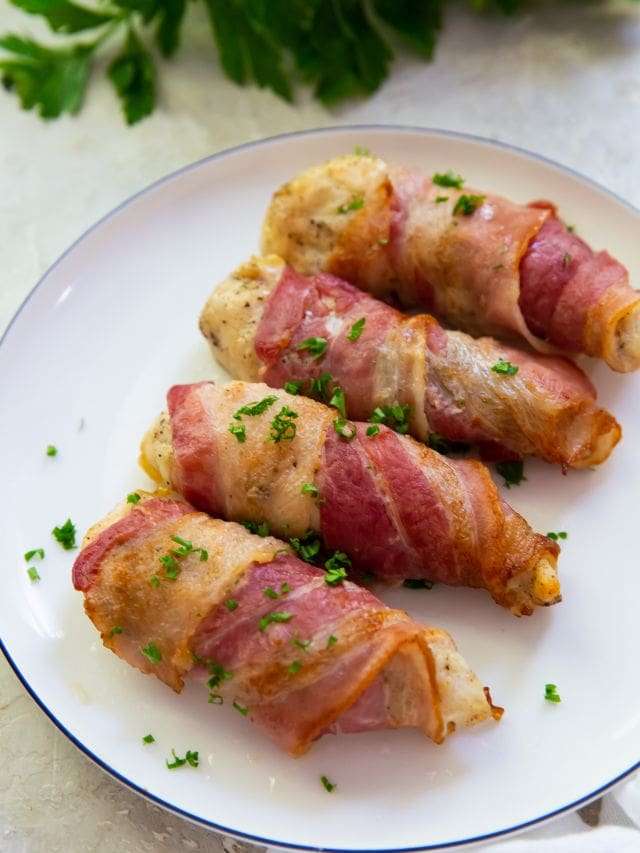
(400, 510)
(480, 262)
(267, 322)
(176, 594)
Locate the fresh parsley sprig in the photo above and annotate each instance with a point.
(338, 48)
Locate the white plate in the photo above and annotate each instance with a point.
(85, 366)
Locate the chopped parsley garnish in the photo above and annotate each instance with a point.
(318, 387)
(270, 592)
(374, 429)
(307, 547)
(215, 699)
(154, 580)
(383, 241)
(505, 367)
(356, 330)
(231, 604)
(66, 535)
(239, 431)
(316, 346)
(512, 470)
(186, 547)
(331, 641)
(355, 204)
(467, 204)
(171, 567)
(561, 534)
(571, 228)
(361, 151)
(566, 260)
(191, 758)
(148, 739)
(253, 409)
(448, 179)
(218, 673)
(242, 708)
(551, 693)
(301, 644)
(338, 402)
(37, 552)
(445, 446)
(498, 266)
(328, 786)
(33, 573)
(274, 617)
(283, 427)
(133, 498)
(310, 489)
(52, 450)
(345, 429)
(336, 566)
(294, 666)
(293, 387)
(115, 630)
(152, 652)
(417, 584)
(396, 417)
(260, 528)
(335, 576)
(170, 560)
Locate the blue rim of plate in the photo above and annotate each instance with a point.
(220, 155)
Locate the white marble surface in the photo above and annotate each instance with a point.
(564, 82)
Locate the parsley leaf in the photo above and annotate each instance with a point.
(505, 367)
(52, 79)
(551, 693)
(62, 16)
(467, 204)
(171, 13)
(355, 204)
(258, 408)
(396, 417)
(246, 46)
(445, 446)
(316, 346)
(152, 652)
(416, 22)
(282, 426)
(260, 528)
(512, 470)
(328, 786)
(356, 330)
(133, 75)
(283, 616)
(447, 179)
(65, 535)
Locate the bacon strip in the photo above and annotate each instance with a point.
(382, 670)
(396, 507)
(507, 270)
(257, 319)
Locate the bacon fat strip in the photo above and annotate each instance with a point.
(259, 316)
(382, 670)
(505, 270)
(396, 507)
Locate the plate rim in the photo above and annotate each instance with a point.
(108, 216)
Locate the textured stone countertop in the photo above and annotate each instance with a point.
(564, 83)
